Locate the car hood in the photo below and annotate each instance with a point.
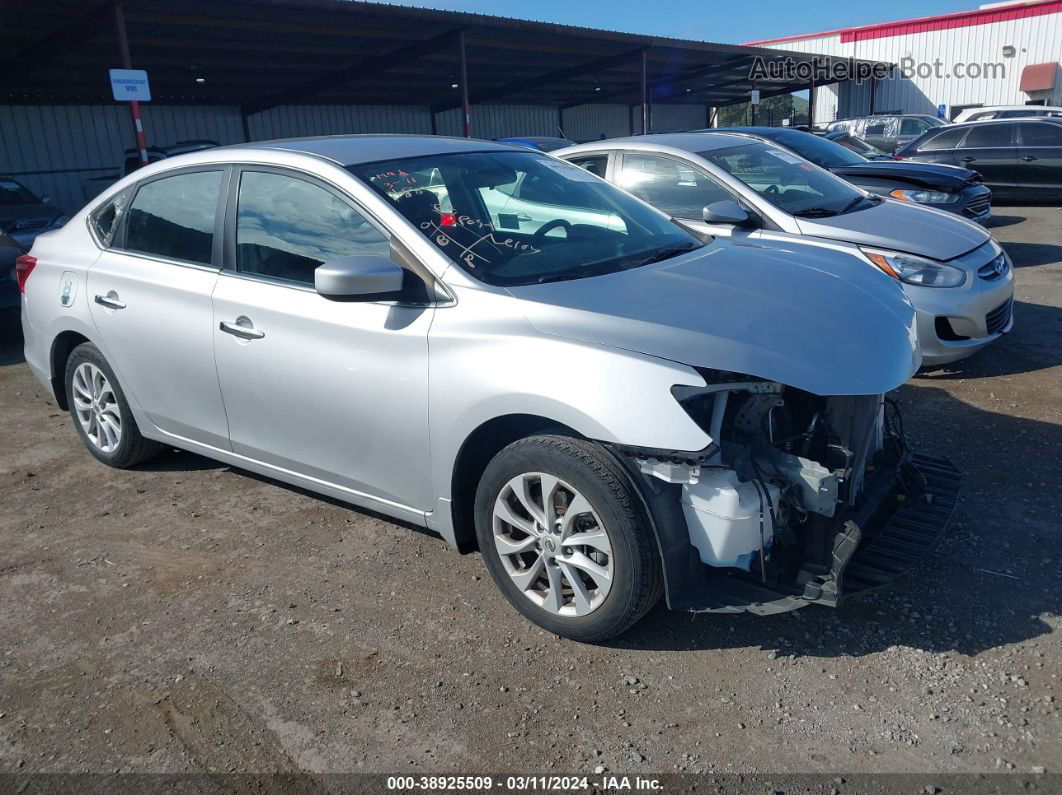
(925, 175)
(895, 225)
(810, 317)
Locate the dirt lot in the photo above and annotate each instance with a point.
(191, 617)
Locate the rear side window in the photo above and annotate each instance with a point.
(949, 139)
(105, 218)
(173, 217)
(286, 227)
(989, 135)
(1041, 134)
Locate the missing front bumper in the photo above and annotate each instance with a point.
(903, 516)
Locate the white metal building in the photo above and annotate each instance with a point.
(999, 54)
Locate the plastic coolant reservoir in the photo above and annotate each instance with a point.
(723, 516)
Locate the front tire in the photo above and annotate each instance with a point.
(101, 413)
(565, 538)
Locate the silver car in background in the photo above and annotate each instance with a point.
(608, 408)
(958, 278)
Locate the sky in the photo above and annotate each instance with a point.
(705, 20)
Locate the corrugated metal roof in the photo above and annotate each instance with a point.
(259, 53)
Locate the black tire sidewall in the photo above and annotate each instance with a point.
(603, 484)
(127, 448)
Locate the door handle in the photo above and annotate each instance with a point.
(110, 301)
(523, 218)
(969, 159)
(1029, 158)
(244, 331)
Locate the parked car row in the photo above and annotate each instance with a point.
(614, 397)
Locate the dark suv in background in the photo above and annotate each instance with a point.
(887, 131)
(1020, 159)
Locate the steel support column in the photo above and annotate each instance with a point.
(464, 87)
(645, 93)
(127, 62)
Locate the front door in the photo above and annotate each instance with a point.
(149, 295)
(334, 391)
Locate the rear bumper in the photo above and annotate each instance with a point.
(903, 515)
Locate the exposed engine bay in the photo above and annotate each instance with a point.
(793, 486)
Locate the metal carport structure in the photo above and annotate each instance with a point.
(240, 70)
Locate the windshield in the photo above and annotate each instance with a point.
(789, 182)
(513, 218)
(12, 192)
(823, 153)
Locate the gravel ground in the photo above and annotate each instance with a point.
(190, 617)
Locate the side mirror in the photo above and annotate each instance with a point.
(725, 212)
(359, 277)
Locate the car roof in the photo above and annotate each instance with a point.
(1022, 119)
(690, 141)
(1011, 107)
(352, 150)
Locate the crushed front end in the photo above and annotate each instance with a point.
(800, 499)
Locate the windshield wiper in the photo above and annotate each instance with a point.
(815, 212)
(668, 253)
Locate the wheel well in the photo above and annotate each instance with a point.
(61, 348)
(477, 451)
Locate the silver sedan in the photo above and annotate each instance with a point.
(958, 278)
(605, 406)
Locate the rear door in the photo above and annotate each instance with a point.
(150, 299)
(1040, 158)
(991, 149)
(941, 147)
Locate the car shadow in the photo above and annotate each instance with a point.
(1025, 255)
(1000, 221)
(988, 584)
(1035, 343)
(11, 349)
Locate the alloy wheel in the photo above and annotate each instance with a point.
(97, 407)
(552, 544)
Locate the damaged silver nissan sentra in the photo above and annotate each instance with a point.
(607, 407)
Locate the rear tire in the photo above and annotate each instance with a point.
(101, 412)
(583, 565)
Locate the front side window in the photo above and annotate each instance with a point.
(516, 218)
(286, 227)
(1041, 134)
(949, 139)
(173, 217)
(787, 181)
(989, 135)
(595, 164)
(913, 127)
(673, 187)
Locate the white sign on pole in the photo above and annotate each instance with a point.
(754, 96)
(128, 85)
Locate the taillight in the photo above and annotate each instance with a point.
(24, 266)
